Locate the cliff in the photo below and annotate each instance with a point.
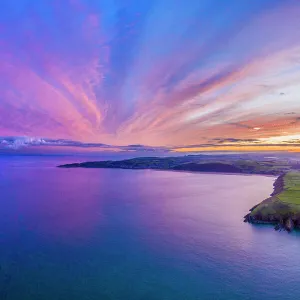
(282, 208)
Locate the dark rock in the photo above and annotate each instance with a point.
(251, 209)
(289, 225)
(248, 218)
(278, 185)
(278, 227)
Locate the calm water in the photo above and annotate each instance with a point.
(137, 235)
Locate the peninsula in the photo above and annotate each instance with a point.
(282, 208)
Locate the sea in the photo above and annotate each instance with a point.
(109, 234)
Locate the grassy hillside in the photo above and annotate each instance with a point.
(283, 207)
(291, 192)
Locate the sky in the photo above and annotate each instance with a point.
(159, 75)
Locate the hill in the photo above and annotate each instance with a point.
(282, 208)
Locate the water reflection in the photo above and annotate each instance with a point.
(59, 204)
(111, 234)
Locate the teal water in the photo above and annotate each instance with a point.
(138, 235)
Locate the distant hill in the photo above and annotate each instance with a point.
(208, 167)
(197, 163)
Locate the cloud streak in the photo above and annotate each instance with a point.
(17, 144)
(40, 145)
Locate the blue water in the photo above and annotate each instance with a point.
(138, 235)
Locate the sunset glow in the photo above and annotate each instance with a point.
(210, 75)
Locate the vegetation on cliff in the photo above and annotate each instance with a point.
(282, 208)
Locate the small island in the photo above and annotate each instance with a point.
(282, 208)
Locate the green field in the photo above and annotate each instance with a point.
(291, 192)
(285, 202)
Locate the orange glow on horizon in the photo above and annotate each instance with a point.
(240, 149)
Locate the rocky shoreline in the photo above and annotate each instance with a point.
(273, 211)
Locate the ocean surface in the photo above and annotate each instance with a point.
(100, 234)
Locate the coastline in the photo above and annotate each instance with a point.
(190, 164)
(179, 171)
(207, 172)
(182, 171)
(281, 208)
(283, 214)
